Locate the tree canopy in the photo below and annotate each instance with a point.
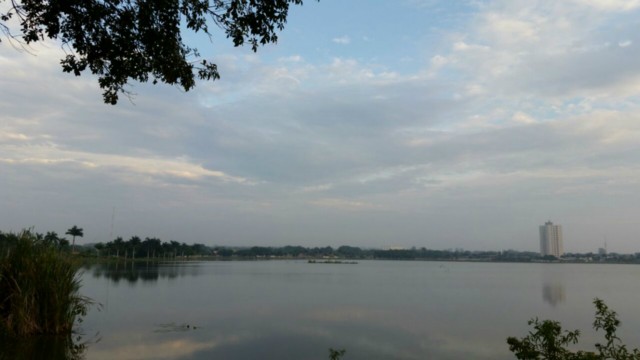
(75, 231)
(141, 40)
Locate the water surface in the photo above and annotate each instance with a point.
(375, 309)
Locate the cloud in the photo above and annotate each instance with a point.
(625, 43)
(316, 188)
(344, 204)
(553, 50)
(527, 110)
(342, 40)
(610, 5)
(145, 166)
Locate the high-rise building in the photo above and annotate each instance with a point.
(551, 239)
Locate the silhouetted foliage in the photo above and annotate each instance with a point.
(75, 231)
(151, 248)
(548, 341)
(39, 286)
(336, 354)
(124, 40)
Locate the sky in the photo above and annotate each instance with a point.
(372, 123)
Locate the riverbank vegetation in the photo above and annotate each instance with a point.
(40, 286)
(154, 248)
(356, 253)
(150, 248)
(547, 340)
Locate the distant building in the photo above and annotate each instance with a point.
(551, 239)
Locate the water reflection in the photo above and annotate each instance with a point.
(292, 310)
(42, 347)
(553, 288)
(376, 310)
(288, 341)
(146, 271)
(553, 293)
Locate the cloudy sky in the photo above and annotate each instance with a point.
(373, 123)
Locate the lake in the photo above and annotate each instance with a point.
(374, 309)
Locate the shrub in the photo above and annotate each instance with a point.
(39, 288)
(549, 342)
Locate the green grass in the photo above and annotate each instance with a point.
(39, 288)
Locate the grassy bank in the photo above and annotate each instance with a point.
(39, 285)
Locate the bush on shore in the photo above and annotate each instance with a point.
(548, 341)
(39, 287)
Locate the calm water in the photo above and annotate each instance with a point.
(375, 309)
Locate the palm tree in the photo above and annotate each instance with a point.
(134, 242)
(74, 231)
(52, 239)
(118, 243)
(99, 247)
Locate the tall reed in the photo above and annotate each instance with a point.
(39, 287)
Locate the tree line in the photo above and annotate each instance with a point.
(153, 248)
(50, 238)
(354, 252)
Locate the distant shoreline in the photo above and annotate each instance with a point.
(338, 260)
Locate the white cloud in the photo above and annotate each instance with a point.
(345, 204)
(463, 46)
(553, 50)
(507, 29)
(292, 58)
(316, 188)
(9, 136)
(625, 43)
(523, 118)
(530, 106)
(439, 61)
(342, 40)
(142, 166)
(610, 5)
